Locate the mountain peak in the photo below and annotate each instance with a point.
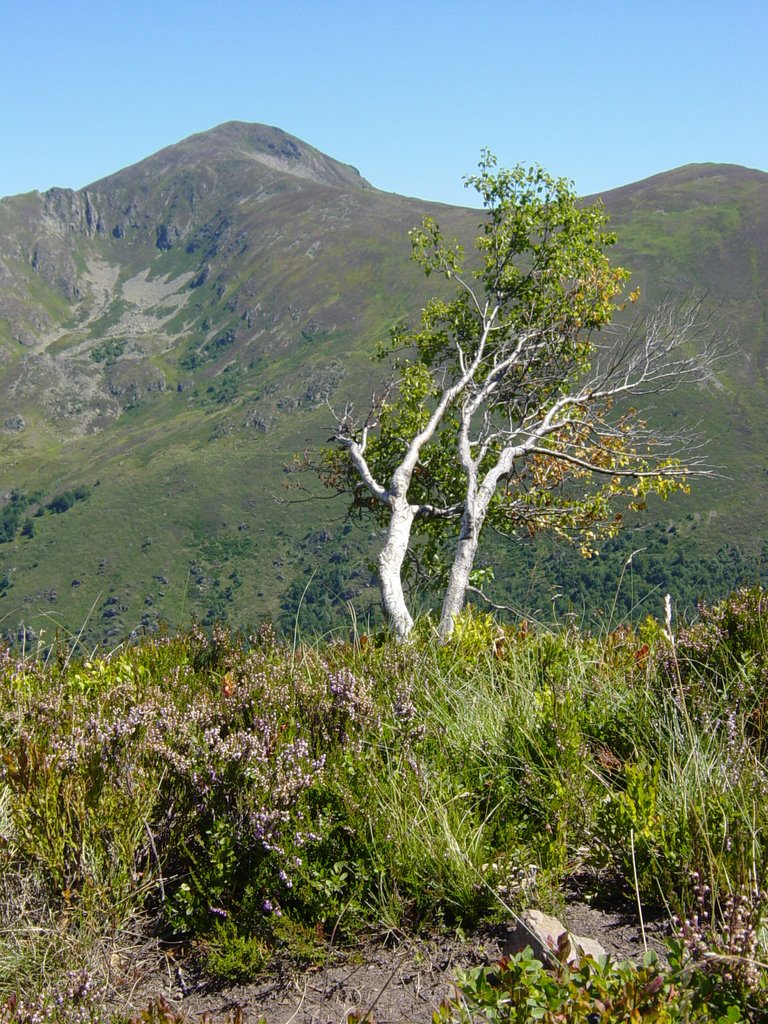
(236, 143)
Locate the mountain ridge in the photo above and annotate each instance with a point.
(687, 174)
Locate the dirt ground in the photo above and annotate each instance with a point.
(392, 984)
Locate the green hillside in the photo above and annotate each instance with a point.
(170, 338)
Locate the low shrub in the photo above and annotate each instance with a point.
(522, 989)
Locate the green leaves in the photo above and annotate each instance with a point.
(544, 253)
(521, 989)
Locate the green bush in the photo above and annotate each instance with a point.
(231, 957)
(522, 989)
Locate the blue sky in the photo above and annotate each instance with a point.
(602, 93)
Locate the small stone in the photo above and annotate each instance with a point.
(589, 947)
(542, 933)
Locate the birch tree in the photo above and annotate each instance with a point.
(512, 402)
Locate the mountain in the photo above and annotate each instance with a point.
(701, 232)
(170, 337)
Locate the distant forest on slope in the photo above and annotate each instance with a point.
(543, 580)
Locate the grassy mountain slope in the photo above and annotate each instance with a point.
(170, 336)
(702, 232)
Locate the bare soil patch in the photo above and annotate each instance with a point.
(392, 983)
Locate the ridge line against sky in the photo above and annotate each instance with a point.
(409, 93)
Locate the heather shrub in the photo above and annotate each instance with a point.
(73, 1000)
(258, 821)
(722, 657)
(79, 785)
(720, 947)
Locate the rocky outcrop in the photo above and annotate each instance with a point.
(53, 259)
(66, 213)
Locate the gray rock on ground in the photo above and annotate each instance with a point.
(542, 933)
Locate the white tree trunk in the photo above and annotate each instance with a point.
(475, 511)
(391, 561)
(456, 592)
